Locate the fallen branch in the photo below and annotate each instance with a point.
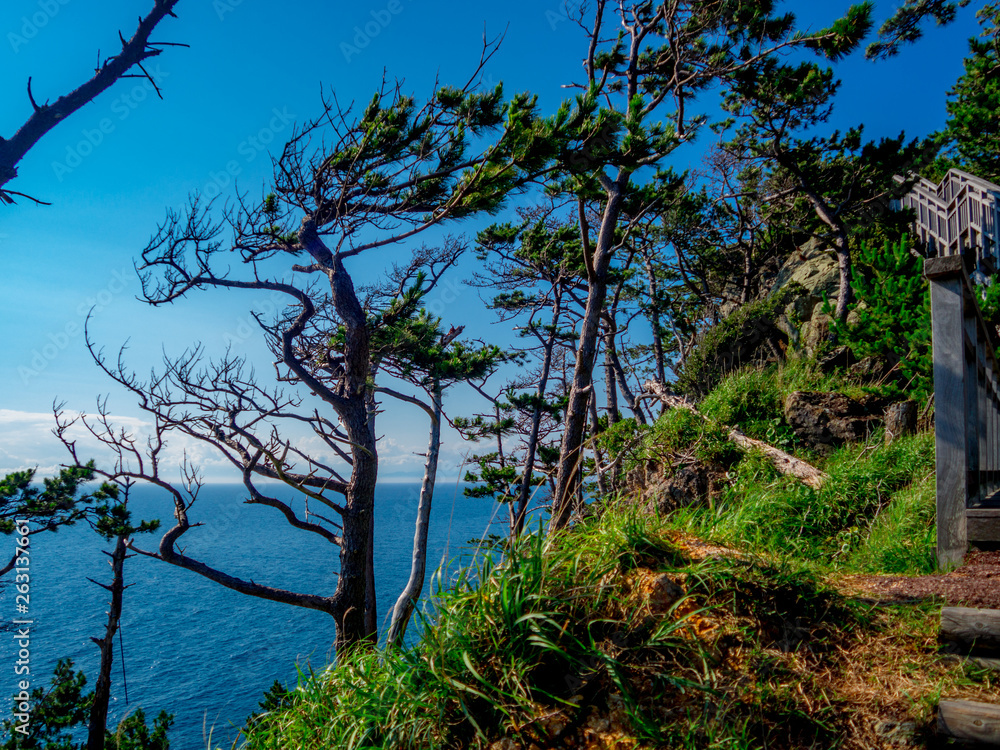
(783, 462)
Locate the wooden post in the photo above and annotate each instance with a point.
(971, 628)
(971, 396)
(966, 720)
(950, 406)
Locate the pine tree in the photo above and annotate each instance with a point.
(972, 133)
(894, 323)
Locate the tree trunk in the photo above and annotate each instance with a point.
(355, 584)
(609, 381)
(747, 293)
(418, 564)
(654, 321)
(524, 493)
(568, 478)
(842, 246)
(102, 691)
(634, 405)
(350, 599)
(602, 484)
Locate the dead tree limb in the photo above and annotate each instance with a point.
(783, 462)
(46, 116)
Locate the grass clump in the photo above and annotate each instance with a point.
(536, 649)
(624, 633)
(749, 335)
(866, 516)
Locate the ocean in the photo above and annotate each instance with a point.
(199, 650)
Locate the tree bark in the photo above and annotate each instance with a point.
(102, 690)
(350, 601)
(418, 564)
(524, 493)
(782, 461)
(634, 405)
(654, 321)
(611, 390)
(568, 478)
(602, 484)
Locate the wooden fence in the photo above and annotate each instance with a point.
(960, 216)
(967, 413)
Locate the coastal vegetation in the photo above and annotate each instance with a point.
(683, 590)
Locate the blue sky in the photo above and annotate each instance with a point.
(252, 69)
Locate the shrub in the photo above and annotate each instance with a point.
(895, 321)
(748, 335)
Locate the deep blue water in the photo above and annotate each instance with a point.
(194, 648)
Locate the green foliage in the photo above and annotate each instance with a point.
(276, 698)
(739, 339)
(972, 133)
(64, 709)
(56, 503)
(905, 25)
(506, 642)
(894, 321)
(132, 733)
(903, 539)
(846, 521)
(989, 305)
(55, 712)
(559, 634)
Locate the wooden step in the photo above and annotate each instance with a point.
(971, 721)
(982, 662)
(983, 524)
(971, 628)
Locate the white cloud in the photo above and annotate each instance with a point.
(27, 442)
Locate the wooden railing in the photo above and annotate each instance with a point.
(967, 413)
(960, 216)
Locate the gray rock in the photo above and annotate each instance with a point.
(689, 486)
(813, 268)
(871, 370)
(839, 359)
(827, 420)
(900, 420)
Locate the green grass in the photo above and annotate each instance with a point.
(559, 640)
(869, 516)
(874, 514)
(539, 631)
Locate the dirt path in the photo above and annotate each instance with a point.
(975, 584)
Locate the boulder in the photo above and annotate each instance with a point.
(839, 359)
(689, 486)
(814, 269)
(872, 370)
(900, 420)
(827, 420)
